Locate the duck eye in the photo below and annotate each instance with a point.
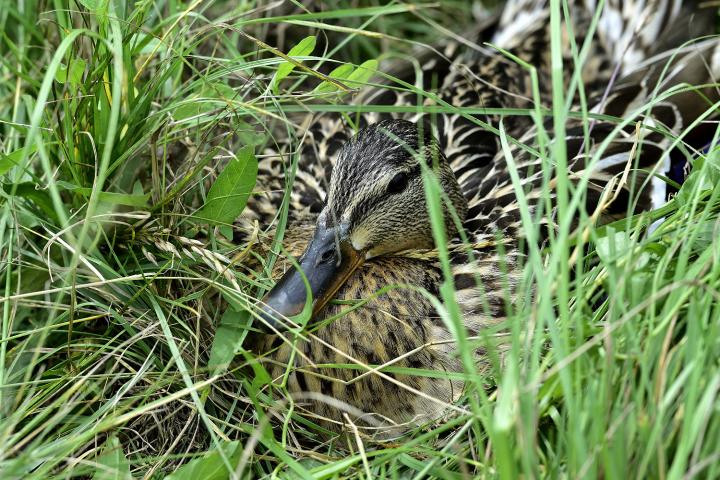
(398, 183)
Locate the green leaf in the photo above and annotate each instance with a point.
(248, 135)
(705, 234)
(214, 96)
(229, 194)
(340, 73)
(39, 197)
(138, 188)
(228, 338)
(71, 74)
(98, 7)
(226, 231)
(131, 200)
(616, 245)
(112, 464)
(261, 377)
(192, 108)
(233, 301)
(61, 73)
(361, 75)
(713, 166)
(117, 198)
(221, 90)
(304, 48)
(210, 466)
(12, 159)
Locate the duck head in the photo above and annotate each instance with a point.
(375, 206)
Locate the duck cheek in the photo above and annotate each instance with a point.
(360, 238)
(397, 242)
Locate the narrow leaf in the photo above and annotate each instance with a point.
(116, 198)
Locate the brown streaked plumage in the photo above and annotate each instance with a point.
(372, 208)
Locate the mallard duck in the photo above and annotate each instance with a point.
(371, 228)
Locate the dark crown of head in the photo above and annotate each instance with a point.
(388, 142)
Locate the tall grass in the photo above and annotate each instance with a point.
(119, 119)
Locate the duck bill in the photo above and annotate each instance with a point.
(327, 263)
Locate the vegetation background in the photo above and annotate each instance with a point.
(125, 127)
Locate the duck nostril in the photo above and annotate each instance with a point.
(327, 255)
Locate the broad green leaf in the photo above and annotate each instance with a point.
(340, 73)
(248, 135)
(147, 44)
(101, 115)
(210, 466)
(72, 73)
(138, 188)
(12, 159)
(29, 279)
(304, 48)
(705, 234)
(229, 194)
(362, 74)
(98, 7)
(261, 377)
(505, 414)
(615, 245)
(606, 247)
(713, 166)
(61, 73)
(700, 178)
(39, 197)
(228, 337)
(226, 231)
(112, 464)
(223, 91)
